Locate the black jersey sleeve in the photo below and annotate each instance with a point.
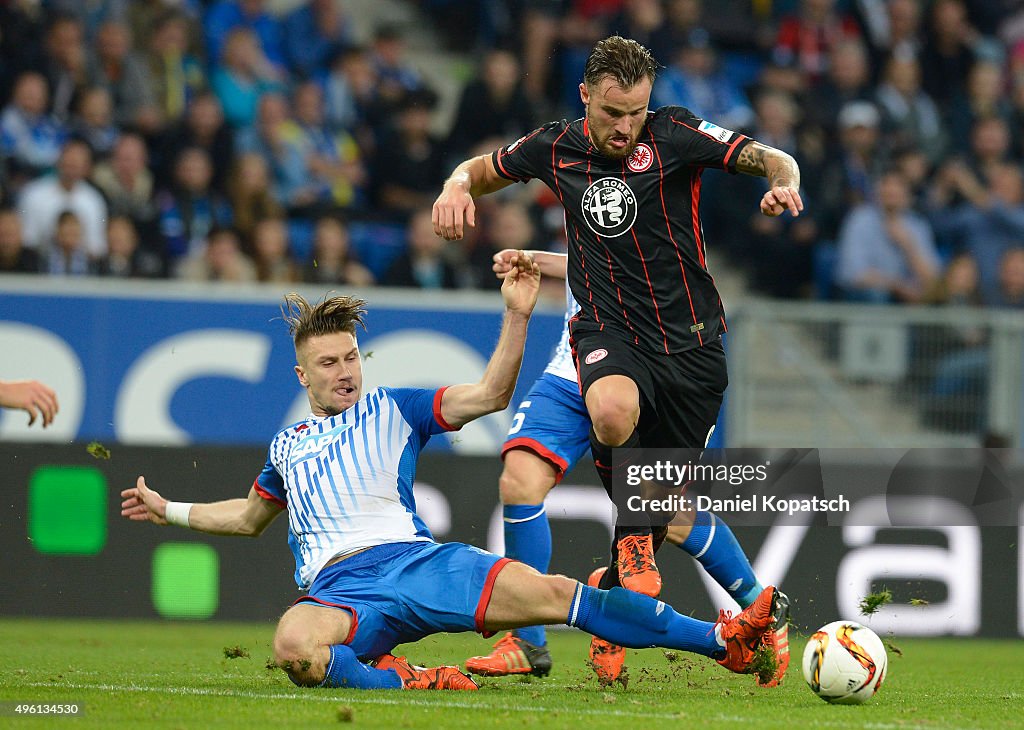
(529, 156)
(703, 143)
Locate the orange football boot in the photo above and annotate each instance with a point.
(637, 569)
(414, 677)
(512, 655)
(743, 634)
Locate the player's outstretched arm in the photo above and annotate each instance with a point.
(783, 177)
(464, 403)
(246, 517)
(454, 207)
(551, 264)
(30, 396)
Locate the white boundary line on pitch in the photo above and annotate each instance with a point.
(406, 701)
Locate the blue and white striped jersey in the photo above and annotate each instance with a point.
(561, 363)
(347, 479)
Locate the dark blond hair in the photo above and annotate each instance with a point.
(329, 316)
(623, 59)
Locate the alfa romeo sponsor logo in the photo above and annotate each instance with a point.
(609, 207)
(641, 158)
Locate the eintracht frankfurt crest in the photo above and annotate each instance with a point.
(609, 207)
(640, 159)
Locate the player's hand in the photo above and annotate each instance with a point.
(779, 199)
(453, 208)
(522, 284)
(32, 397)
(142, 504)
(503, 262)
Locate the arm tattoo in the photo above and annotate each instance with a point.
(763, 161)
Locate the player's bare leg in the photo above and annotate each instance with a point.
(525, 482)
(309, 646)
(613, 402)
(522, 596)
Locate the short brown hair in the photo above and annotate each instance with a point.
(623, 59)
(329, 316)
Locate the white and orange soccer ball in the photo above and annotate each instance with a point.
(844, 663)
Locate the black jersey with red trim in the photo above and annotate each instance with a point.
(636, 248)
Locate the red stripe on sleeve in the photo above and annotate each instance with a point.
(268, 496)
(437, 410)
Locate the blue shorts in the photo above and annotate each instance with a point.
(552, 422)
(400, 592)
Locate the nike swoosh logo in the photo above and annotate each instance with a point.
(562, 164)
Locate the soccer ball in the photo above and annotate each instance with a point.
(844, 663)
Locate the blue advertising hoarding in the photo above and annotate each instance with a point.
(172, 364)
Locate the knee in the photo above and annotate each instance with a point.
(614, 415)
(556, 593)
(295, 653)
(517, 488)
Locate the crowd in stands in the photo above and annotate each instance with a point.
(246, 140)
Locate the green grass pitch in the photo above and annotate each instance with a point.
(176, 675)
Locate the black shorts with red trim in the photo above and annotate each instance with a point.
(680, 394)
(398, 593)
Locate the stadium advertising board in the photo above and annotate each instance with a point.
(172, 364)
(69, 553)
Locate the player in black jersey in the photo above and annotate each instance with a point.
(647, 338)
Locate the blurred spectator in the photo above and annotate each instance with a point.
(959, 285)
(695, 81)
(893, 28)
(250, 194)
(125, 259)
(984, 96)
(350, 93)
(275, 138)
(44, 199)
(270, 252)
(227, 16)
(30, 138)
(847, 182)
(492, 105)
(958, 356)
(242, 77)
(190, 209)
(583, 23)
(639, 20)
(539, 33)
(947, 56)
(886, 251)
(94, 121)
(332, 260)
(332, 159)
(313, 33)
(14, 257)
(203, 127)
(66, 68)
(1011, 280)
(396, 76)
(144, 17)
(805, 39)
(909, 116)
(848, 80)
(127, 183)
(222, 260)
(115, 66)
(989, 222)
(21, 42)
(176, 76)
(410, 164)
(66, 256)
(424, 265)
(991, 145)
(509, 226)
(91, 14)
